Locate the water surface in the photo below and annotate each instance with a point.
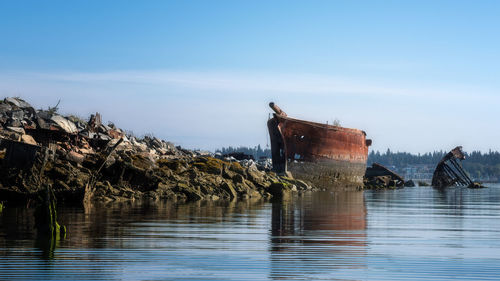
(412, 233)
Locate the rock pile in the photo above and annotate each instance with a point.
(87, 159)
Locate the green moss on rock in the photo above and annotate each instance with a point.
(236, 167)
(278, 189)
(172, 164)
(209, 165)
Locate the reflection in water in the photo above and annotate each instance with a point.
(317, 232)
(411, 233)
(123, 219)
(47, 246)
(122, 240)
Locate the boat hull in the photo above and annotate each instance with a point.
(330, 157)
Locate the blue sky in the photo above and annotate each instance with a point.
(201, 73)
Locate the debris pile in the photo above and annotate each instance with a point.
(449, 171)
(87, 159)
(379, 177)
(72, 136)
(410, 183)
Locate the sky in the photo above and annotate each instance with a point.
(416, 76)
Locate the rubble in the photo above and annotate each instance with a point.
(88, 160)
(410, 183)
(378, 177)
(423, 183)
(449, 171)
(20, 122)
(239, 156)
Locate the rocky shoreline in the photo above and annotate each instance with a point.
(89, 161)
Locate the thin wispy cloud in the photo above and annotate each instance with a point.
(311, 84)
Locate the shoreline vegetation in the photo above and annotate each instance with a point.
(89, 161)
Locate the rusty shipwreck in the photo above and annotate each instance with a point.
(328, 156)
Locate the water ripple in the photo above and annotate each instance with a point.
(408, 234)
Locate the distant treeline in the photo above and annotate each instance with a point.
(478, 164)
(402, 159)
(256, 151)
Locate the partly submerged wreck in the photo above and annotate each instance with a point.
(328, 156)
(379, 176)
(449, 171)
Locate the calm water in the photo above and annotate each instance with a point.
(413, 233)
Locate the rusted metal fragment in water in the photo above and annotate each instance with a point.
(449, 171)
(326, 155)
(379, 176)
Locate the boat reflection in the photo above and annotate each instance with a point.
(317, 232)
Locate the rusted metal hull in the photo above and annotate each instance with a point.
(328, 156)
